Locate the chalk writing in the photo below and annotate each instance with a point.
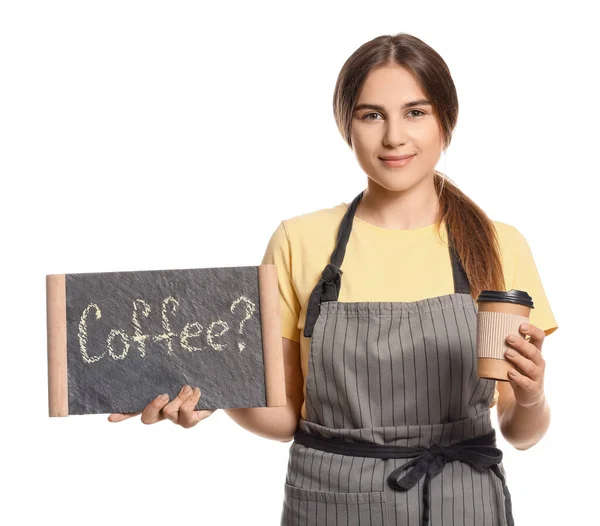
(250, 308)
(109, 340)
(209, 335)
(169, 305)
(138, 337)
(82, 334)
(165, 322)
(186, 335)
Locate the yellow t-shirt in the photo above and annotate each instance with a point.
(383, 264)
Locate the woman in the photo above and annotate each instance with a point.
(379, 320)
(387, 336)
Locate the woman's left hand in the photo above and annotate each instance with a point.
(527, 380)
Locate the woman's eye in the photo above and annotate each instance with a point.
(418, 111)
(367, 115)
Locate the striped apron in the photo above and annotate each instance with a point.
(398, 428)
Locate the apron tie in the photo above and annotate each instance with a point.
(432, 461)
(478, 452)
(327, 289)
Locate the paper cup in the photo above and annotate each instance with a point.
(499, 314)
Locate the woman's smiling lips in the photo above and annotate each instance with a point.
(396, 162)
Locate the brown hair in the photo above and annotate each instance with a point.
(472, 231)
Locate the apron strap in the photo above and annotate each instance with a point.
(330, 283)
(461, 282)
(328, 287)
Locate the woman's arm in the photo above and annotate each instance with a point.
(523, 411)
(277, 423)
(523, 427)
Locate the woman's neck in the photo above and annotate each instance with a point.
(406, 210)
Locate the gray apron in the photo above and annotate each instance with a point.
(398, 428)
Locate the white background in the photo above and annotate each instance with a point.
(147, 135)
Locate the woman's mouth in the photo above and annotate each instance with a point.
(396, 163)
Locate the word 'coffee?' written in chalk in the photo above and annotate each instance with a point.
(119, 342)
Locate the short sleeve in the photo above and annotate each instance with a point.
(278, 252)
(527, 278)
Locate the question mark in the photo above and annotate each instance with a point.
(250, 308)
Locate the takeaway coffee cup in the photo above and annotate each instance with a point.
(499, 314)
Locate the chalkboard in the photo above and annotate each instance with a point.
(117, 340)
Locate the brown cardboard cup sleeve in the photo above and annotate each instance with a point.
(492, 330)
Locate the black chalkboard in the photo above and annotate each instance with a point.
(131, 336)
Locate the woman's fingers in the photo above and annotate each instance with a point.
(188, 417)
(171, 410)
(119, 417)
(152, 413)
(180, 410)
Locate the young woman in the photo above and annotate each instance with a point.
(387, 336)
(379, 322)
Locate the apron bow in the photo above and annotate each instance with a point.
(432, 461)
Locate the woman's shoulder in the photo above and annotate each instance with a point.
(503, 229)
(521, 273)
(510, 242)
(509, 236)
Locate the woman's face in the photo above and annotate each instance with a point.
(382, 126)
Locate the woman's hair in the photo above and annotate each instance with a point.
(473, 233)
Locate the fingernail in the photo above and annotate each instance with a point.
(163, 397)
(196, 391)
(186, 390)
(511, 338)
(525, 327)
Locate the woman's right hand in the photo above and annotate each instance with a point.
(180, 410)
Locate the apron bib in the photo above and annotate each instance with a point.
(401, 375)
